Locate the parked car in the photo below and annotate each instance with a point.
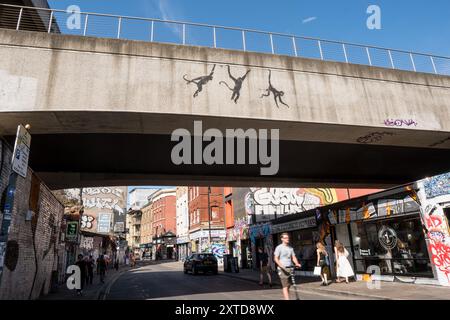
(201, 262)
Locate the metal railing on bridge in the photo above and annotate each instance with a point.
(197, 34)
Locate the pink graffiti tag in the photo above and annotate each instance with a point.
(440, 256)
(433, 221)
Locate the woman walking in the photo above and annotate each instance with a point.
(323, 263)
(344, 269)
(264, 268)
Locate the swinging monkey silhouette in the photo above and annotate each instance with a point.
(276, 94)
(200, 81)
(237, 85)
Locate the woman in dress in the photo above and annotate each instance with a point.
(337, 243)
(344, 269)
(323, 263)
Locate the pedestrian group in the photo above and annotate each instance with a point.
(286, 262)
(87, 264)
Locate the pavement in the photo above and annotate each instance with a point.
(95, 291)
(360, 289)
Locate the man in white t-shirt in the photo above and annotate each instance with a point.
(284, 255)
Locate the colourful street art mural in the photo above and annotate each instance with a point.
(434, 196)
(437, 234)
(437, 186)
(269, 203)
(216, 248)
(262, 231)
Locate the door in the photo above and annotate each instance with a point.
(169, 253)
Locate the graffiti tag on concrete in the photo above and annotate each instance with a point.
(400, 122)
(373, 137)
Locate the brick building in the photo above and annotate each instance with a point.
(163, 212)
(134, 220)
(146, 228)
(33, 255)
(201, 225)
(183, 247)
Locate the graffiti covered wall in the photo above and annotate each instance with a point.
(104, 209)
(434, 195)
(32, 248)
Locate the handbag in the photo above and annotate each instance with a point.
(317, 271)
(346, 253)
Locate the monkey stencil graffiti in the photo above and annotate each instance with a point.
(276, 93)
(237, 85)
(200, 81)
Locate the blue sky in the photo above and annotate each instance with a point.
(422, 26)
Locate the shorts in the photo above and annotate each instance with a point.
(325, 270)
(285, 278)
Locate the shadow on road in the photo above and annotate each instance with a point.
(161, 279)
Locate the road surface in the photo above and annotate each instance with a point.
(167, 281)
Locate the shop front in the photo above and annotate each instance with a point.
(211, 241)
(383, 233)
(238, 243)
(165, 246)
(396, 245)
(260, 237)
(95, 245)
(146, 250)
(183, 246)
(304, 234)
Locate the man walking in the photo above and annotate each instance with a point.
(90, 268)
(101, 268)
(284, 256)
(263, 267)
(81, 263)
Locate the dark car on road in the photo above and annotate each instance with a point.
(201, 262)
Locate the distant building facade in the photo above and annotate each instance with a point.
(182, 219)
(207, 224)
(146, 229)
(138, 197)
(163, 213)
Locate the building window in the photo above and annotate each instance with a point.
(397, 246)
(214, 213)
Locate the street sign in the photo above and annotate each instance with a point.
(21, 151)
(72, 231)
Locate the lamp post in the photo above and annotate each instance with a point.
(209, 214)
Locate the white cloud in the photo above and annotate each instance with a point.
(167, 13)
(309, 19)
(164, 10)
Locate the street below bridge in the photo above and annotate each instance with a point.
(166, 281)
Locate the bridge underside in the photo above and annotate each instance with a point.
(81, 160)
